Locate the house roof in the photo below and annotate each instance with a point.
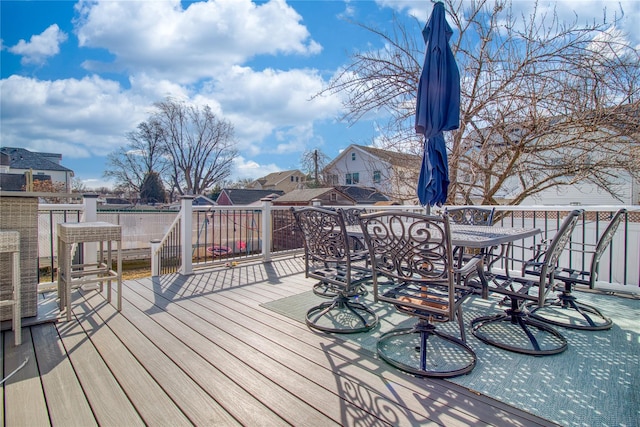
(241, 196)
(308, 194)
(275, 178)
(394, 158)
(364, 195)
(25, 159)
(202, 200)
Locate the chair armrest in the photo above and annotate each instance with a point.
(471, 265)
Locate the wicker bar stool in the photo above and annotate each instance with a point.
(72, 276)
(10, 243)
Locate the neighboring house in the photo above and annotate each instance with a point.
(43, 167)
(589, 194)
(390, 173)
(203, 200)
(245, 197)
(363, 195)
(305, 197)
(568, 144)
(284, 181)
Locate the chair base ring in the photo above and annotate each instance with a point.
(426, 352)
(327, 290)
(341, 315)
(516, 332)
(567, 312)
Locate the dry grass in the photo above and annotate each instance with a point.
(136, 269)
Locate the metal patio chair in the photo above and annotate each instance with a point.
(515, 329)
(340, 270)
(412, 253)
(565, 310)
(350, 216)
(469, 216)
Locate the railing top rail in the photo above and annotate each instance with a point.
(227, 208)
(60, 207)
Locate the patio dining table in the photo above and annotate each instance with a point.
(480, 237)
(476, 236)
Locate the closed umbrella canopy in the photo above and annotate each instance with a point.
(437, 107)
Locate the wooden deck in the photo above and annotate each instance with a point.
(202, 351)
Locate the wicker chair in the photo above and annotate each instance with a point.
(329, 258)
(565, 310)
(412, 253)
(514, 329)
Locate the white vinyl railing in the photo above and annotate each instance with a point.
(198, 237)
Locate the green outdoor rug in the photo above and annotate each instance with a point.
(595, 382)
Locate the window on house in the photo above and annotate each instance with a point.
(353, 156)
(332, 179)
(376, 177)
(347, 179)
(334, 197)
(291, 178)
(355, 178)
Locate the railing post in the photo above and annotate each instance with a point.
(90, 202)
(186, 226)
(266, 229)
(155, 259)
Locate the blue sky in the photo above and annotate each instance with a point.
(77, 76)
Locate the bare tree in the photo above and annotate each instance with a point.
(240, 183)
(143, 155)
(198, 144)
(544, 103)
(313, 163)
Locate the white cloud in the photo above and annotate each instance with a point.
(585, 11)
(185, 45)
(243, 169)
(77, 118)
(261, 103)
(40, 46)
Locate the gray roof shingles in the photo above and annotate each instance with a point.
(25, 159)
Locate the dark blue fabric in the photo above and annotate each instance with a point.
(437, 107)
(433, 181)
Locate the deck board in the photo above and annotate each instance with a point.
(109, 403)
(67, 403)
(24, 396)
(494, 413)
(203, 372)
(202, 350)
(149, 399)
(239, 366)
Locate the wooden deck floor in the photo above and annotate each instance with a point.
(202, 351)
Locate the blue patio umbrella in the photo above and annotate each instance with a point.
(437, 107)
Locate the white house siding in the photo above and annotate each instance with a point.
(365, 164)
(60, 177)
(587, 195)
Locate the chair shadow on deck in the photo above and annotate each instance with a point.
(584, 385)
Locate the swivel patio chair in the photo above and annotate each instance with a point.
(515, 330)
(350, 216)
(413, 252)
(468, 216)
(471, 215)
(565, 310)
(329, 258)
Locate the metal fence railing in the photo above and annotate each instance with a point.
(221, 234)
